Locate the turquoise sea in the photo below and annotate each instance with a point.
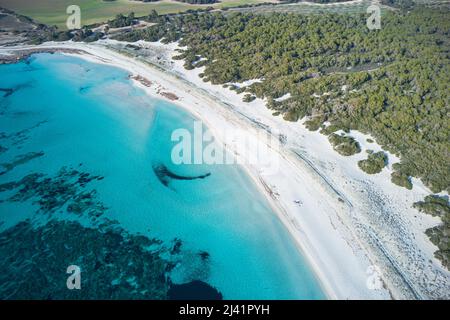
(86, 178)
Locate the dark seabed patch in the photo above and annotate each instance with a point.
(9, 91)
(19, 160)
(113, 263)
(18, 138)
(165, 175)
(204, 255)
(194, 290)
(6, 91)
(66, 188)
(84, 89)
(176, 248)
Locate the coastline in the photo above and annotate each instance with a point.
(335, 253)
(257, 181)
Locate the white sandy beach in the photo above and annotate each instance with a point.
(347, 223)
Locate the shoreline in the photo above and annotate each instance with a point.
(257, 181)
(26, 53)
(343, 274)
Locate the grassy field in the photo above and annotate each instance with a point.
(53, 12)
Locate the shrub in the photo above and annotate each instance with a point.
(439, 235)
(374, 163)
(434, 205)
(344, 145)
(313, 124)
(248, 98)
(401, 180)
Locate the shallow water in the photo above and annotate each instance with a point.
(67, 112)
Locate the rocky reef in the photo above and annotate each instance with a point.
(196, 290)
(114, 263)
(20, 159)
(64, 190)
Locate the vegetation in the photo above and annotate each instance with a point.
(434, 205)
(187, 1)
(42, 33)
(122, 21)
(402, 4)
(396, 78)
(439, 235)
(344, 145)
(401, 179)
(374, 163)
(22, 27)
(315, 1)
(248, 98)
(306, 8)
(198, 1)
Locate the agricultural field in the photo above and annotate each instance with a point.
(53, 12)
